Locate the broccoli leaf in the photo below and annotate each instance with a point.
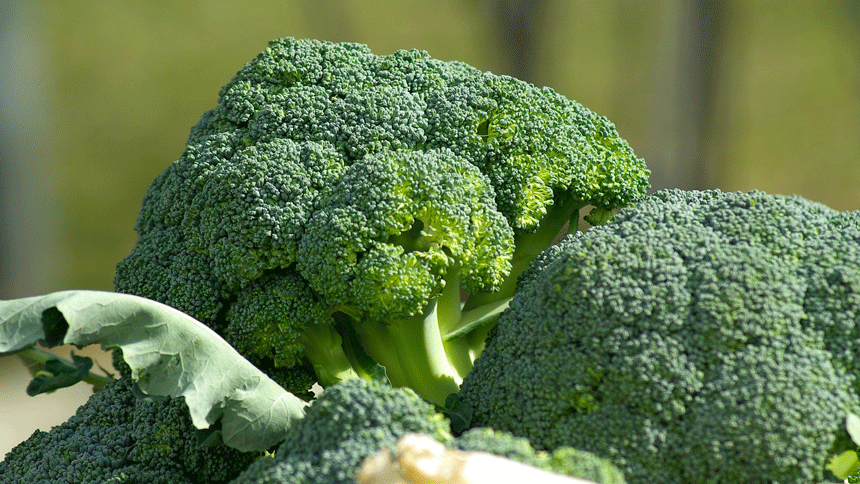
(844, 464)
(847, 463)
(57, 373)
(170, 353)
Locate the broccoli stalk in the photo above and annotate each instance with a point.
(413, 354)
(323, 347)
(414, 350)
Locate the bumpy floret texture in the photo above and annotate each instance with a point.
(379, 175)
(259, 330)
(697, 337)
(347, 423)
(116, 437)
(388, 231)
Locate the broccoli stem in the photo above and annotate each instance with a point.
(413, 352)
(449, 314)
(35, 360)
(473, 320)
(324, 349)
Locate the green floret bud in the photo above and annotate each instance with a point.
(163, 267)
(270, 315)
(398, 234)
(395, 225)
(265, 196)
(281, 326)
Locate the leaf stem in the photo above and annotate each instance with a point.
(35, 360)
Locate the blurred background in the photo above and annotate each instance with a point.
(97, 98)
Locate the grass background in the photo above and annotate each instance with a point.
(98, 97)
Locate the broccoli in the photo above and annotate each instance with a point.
(699, 336)
(340, 211)
(354, 419)
(118, 438)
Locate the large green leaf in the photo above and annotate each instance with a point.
(170, 354)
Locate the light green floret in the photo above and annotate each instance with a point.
(396, 239)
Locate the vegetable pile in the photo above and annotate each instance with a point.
(382, 226)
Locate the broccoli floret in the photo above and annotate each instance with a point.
(350, 421)
(389, 249)
(564, 460)
(375, 188)
(696, 337)
(281, 347)
(116, 437)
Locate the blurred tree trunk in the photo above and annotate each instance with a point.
(518, 22)
(27, 262)
(690, 42)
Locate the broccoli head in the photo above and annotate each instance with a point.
(334, 192)
(118, 438)
(696, 337)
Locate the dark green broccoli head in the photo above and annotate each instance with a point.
(697, 337)
(116, 437)
(378, 182)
